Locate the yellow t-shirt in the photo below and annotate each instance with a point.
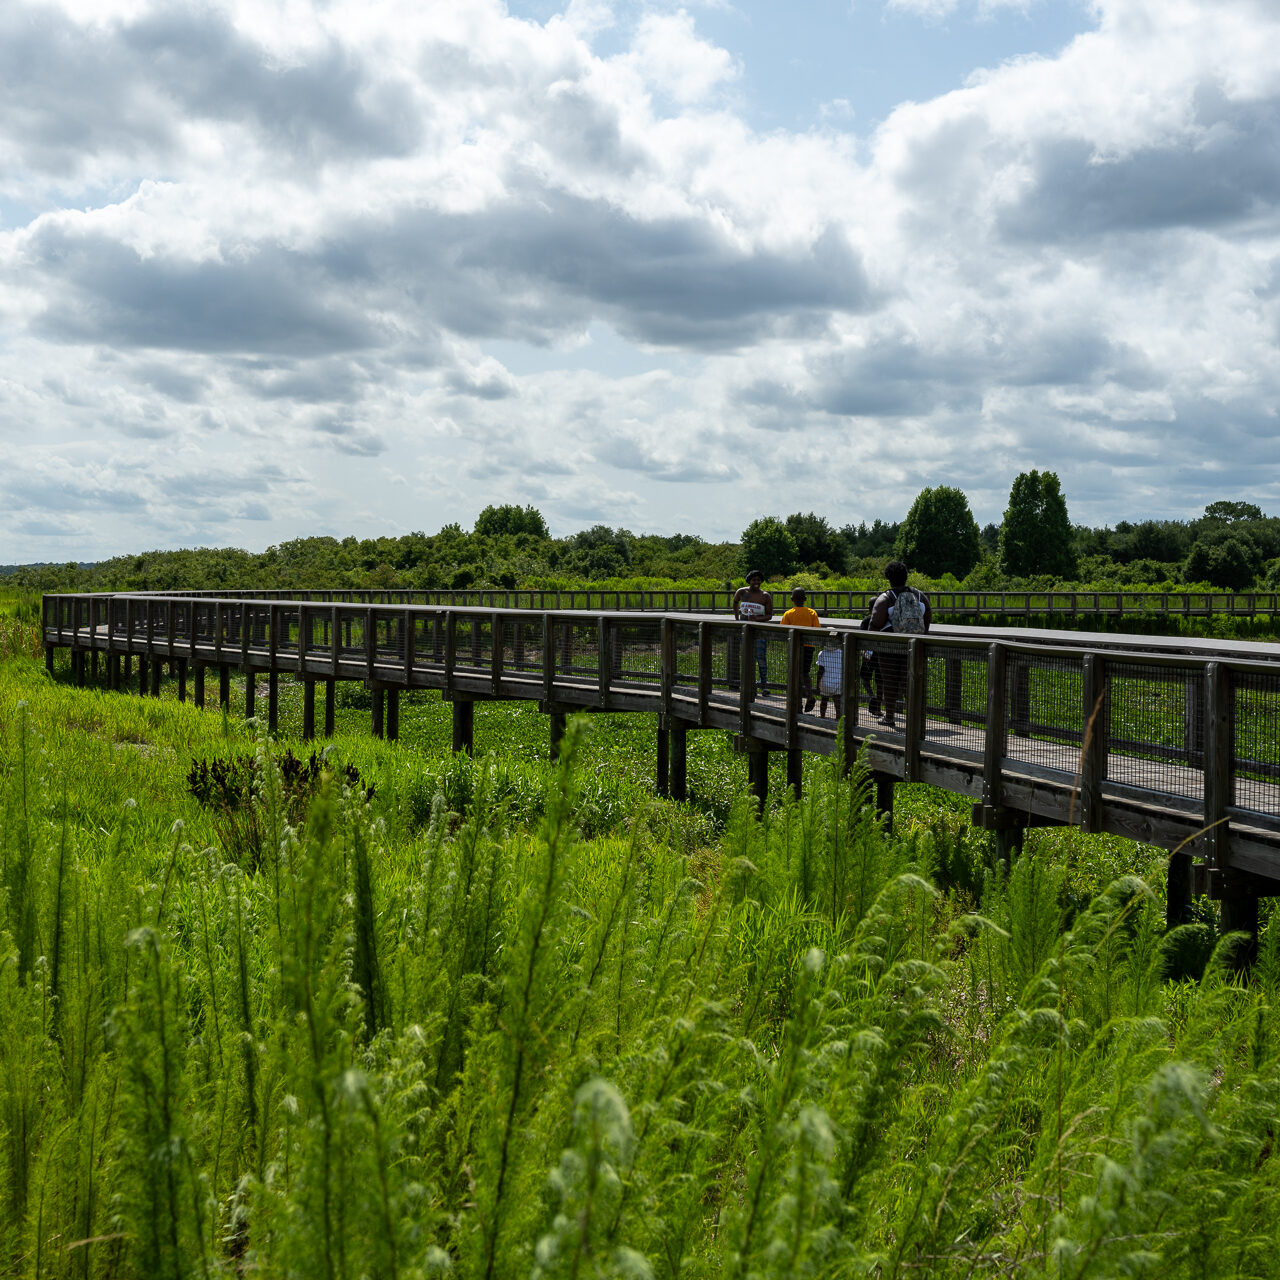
(800, 615)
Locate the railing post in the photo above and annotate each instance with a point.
(794, 652)
(913, 714)
(370, 645)
(548, 658)
(704, 672)
(747, 684)
(1095, 742)
(1217, 761)
(603, 659)
(994, 742)
(667, 662)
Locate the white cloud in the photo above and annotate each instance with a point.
(302, 227)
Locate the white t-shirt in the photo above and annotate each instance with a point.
(750, 610)
(830, 665)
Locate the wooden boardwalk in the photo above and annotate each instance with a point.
(1133, 605)
(1171, 741)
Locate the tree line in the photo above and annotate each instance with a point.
(1232, 546)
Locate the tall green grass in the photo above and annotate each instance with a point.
(469, 1028)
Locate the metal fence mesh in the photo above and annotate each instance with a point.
(1155, 727)
(1044, 696)
(956, 696)
(1256, 734)
(635, 651)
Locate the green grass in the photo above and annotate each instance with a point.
(509, 1018)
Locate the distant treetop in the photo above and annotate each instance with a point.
(508, 520)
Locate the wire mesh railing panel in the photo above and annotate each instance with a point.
(577, 648)
(1256, 737)
(882, 681)
(522, 646)
(1044, 696)
(428, 640)
(635, 650)
(351, 634)
(288, 628)
(956, 696)
(472, 642)
(685, 677)
(1155, 728)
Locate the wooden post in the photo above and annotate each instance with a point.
(604, 661)
(1178, 895)
(250, 693)
(199, 682)
(795, 770)
(308, 709)
(182, 679)
(273, 702)
(224, 686)
(144, 674)
(155, 677)
(747, 686)
(113, 670)
(379, 702)
(393, 715)
(704, 671)
(497, 651)
(884, 797)
(662, 770)
(1094, 748)
(557, 733)
(464, 726)
(679, 760)
(329, 687)
(757, 762)
(1217, 761)
(913, 713)
(993, 746)
(795, 697)
(1240, 913)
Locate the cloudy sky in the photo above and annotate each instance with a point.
(279, 267)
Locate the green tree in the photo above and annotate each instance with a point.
(1036, 536)
(1231, 512)
(939, 534)
(817, 543)
(1223, 559)
(508, 520)
(767, 545)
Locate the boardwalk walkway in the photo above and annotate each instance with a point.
(1171, 741)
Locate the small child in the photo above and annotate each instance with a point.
(800, 615)
(830, 668)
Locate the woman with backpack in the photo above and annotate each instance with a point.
(901, 609)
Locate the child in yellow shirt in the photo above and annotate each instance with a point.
(800, 615)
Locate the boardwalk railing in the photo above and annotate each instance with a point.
(1176, 750)
(833, 604)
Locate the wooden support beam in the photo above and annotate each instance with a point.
(393, 715)
(1239, 908)
(273, 702)
(182, 679)
(379, 707)
(329, 687)
(679, 761)
(757, 761)
(557, 732)
(250, 693)
(795, 770)
(224, 685)
(884, 783)
(48, 658)
(662, 767)
(1178, 890)
(113, 671)
(308, 710)
(199, 685)
(464, 725)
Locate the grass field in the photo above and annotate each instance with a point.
(503, 1018)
